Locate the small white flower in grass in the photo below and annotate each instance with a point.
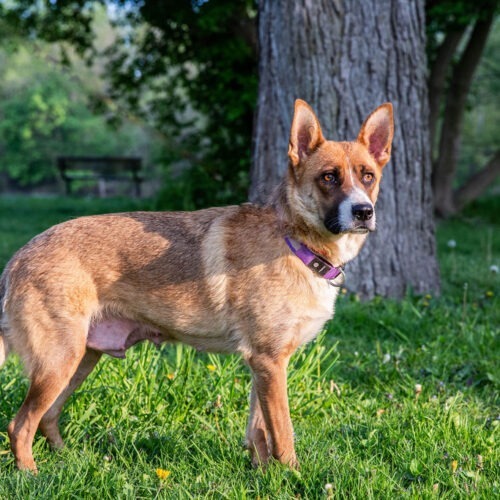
(452, 244)
(418, 390)
(494, 269)
(329, 489)
(386, 359)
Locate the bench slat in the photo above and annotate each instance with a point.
(100, 168)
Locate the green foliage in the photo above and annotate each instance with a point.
(194, 72)
(362, 423)
(44, 114)
(443, 16)
(188, 67)
(35, 107)
(196, 188)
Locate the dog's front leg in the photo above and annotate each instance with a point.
(269, 376)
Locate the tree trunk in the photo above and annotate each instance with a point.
(445, 167)
(478, 183)
(437, 77)
(345, 58)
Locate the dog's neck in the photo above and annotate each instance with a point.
(337, 249)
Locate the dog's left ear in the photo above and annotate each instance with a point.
(305, 135)
(377, 133)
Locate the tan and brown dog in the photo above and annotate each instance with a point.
(223, 279)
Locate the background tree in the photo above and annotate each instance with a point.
(346, 59)
(457, 32)
(193, 69)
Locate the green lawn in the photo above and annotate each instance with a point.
(361, 423)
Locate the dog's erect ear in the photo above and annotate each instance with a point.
(377, 132)
(305, 135)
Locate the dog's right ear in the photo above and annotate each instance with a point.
(305, 135)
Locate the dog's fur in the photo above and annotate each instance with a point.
(221, 279)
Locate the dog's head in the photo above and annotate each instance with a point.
(336, 184)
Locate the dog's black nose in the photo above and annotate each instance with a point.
(363, 211)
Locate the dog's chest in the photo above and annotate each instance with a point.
(316, 308)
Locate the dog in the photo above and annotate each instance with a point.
(255, 280)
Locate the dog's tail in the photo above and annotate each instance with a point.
(4, 348)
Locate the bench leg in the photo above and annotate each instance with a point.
(137, 184)
(102, 188)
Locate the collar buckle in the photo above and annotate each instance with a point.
(319, 266)
(339, 280)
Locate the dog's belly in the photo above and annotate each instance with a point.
(114, 336)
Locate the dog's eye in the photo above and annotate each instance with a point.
(367, 178)
(329, 178)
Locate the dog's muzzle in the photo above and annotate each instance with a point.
(351, 218)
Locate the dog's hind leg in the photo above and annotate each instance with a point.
(50, 372)
(49, 425)
(257, 435)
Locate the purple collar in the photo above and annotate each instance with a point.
(316, 263)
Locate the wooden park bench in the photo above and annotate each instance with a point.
(100, 169)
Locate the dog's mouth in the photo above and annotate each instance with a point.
(355, 228)
(360, 230)
(364, 229)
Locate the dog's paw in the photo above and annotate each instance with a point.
(289, 459)
(294, 463)
(27, 465)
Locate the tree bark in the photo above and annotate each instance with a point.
(451, 130)
(478, 183)
(345, 58)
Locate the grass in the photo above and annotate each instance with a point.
(394, 400)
